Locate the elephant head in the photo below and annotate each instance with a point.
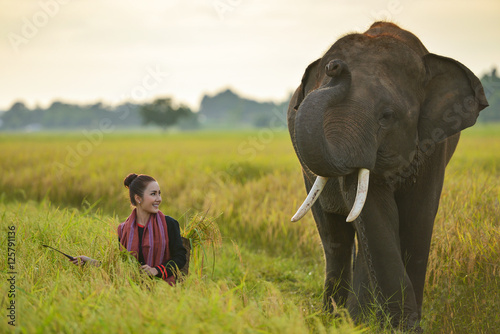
(372, 103)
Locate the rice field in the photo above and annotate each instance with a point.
(66, 190)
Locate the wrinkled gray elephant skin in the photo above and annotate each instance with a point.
(379, 102)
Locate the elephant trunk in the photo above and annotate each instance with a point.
(332, 156)
(314, 150)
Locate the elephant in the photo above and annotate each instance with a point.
(374, 123)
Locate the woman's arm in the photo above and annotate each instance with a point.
(177, 250)
(82, 260)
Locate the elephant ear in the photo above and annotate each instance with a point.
(453, 99)
(307, 83)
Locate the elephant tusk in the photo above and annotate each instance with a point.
(313, 195)
(361, 192)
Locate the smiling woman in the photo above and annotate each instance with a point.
(153, 238)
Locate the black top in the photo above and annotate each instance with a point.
(177, 250)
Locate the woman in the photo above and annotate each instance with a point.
(153, 238)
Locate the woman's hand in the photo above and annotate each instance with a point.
(149, 270)
(82, 259)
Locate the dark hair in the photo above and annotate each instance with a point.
(136, 185)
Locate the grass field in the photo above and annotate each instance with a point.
(66, 190)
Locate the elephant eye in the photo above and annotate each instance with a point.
(387, 117)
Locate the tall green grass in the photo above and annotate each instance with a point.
(253, 181)
(268, 275)
(463, 281)
(54, 296)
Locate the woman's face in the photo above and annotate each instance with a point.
(151, 199)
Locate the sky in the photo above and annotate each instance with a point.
(113, 51)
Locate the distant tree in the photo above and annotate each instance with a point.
(162, 113)
(228, 109)
(491, 84)
(17, 117)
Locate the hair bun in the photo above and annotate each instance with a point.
(129, 179)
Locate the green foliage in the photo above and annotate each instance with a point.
(268, 274)
(54, 296)
(491, 85)
(65, 116)
(202, 230)
(162, 113)
(464, 265)
(224, 110)
(228, 109)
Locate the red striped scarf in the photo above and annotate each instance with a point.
(155, 247)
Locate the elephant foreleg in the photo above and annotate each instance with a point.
(384, 277)
(337, 238)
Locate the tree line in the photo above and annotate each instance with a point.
(223, 110)
(63, 116)
(491, 85)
